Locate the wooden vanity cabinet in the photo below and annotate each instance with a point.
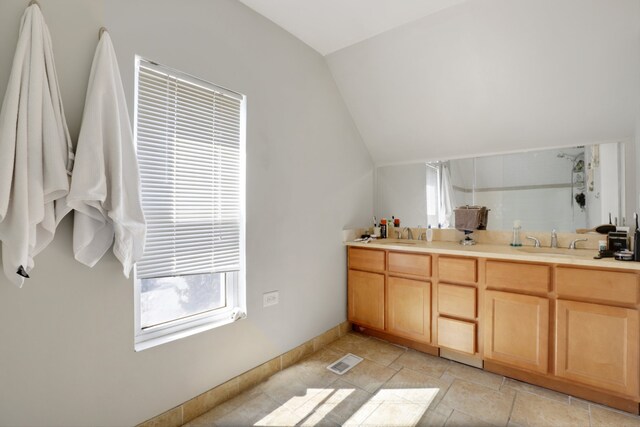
(597, 328)
(409, 308)
(457, 302)
(597, 345)
(390, 291)
(516, 314)
(365, 287)
(409, 295)
(366, 299)
(516, 330)
(570, 328)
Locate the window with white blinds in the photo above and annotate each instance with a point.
(190, 137)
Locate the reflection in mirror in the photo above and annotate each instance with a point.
(563, 189)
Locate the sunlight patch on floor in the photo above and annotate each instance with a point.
(394, 407)
(389, 407)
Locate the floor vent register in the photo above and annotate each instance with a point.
(344, 364)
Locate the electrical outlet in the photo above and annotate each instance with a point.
(270, 298)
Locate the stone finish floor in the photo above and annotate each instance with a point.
(395, 386)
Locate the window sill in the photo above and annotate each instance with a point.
(143, 342)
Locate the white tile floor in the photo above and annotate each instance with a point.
(394, 386)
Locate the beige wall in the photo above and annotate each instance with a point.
(66, 337)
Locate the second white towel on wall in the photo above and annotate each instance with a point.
(105, 188)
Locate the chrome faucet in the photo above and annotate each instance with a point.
(554, 238)
(409, 233)
(573, 244)
(536, 242)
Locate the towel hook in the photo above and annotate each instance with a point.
(102, 30)
(32, 2)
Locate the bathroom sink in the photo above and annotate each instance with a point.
(557, 252)
(396, 242)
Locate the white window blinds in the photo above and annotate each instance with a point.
(189, 134)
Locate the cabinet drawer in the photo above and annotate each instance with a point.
(598, 285)
(518, 277)
(457, 301)
(415, 264)
(457, 269)
(366, 259)
(457, 335)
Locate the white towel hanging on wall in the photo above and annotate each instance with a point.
(35, 150)
(105, 187)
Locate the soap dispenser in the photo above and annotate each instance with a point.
(429, 233)
(515, 241)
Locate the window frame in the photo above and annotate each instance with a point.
(235, 281)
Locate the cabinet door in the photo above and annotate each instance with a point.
(517, 330)
(366, 299)
(409, 308)
(597, 345)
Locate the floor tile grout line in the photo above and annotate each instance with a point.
(448, 417)
(315, 408)
(513, 404)
(567, 403)
(371, 413)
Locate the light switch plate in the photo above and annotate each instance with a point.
(270, 298)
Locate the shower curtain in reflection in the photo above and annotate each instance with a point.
(446, 199)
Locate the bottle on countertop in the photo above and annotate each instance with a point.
(396, 222)
(515, 241)
(383, 228)
(429, 233)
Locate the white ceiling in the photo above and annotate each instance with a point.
(331, 25)
(435, 79)
(491, 76)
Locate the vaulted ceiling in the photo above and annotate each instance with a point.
(433, 79)
(330, 25)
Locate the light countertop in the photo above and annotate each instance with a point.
(578, 257)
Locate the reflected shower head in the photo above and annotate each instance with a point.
(568, 156)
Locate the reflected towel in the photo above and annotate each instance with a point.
(105, 187)
(447, 201)
(36, 151)
(469, 218)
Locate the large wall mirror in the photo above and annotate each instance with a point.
(564, 189)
